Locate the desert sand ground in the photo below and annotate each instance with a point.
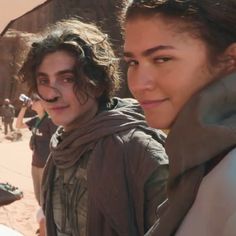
(15, 168)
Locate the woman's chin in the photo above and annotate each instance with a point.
(154, 122)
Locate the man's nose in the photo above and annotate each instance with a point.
(49, 92)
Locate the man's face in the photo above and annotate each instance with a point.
(55, 79)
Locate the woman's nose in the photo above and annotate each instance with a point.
(141, 80)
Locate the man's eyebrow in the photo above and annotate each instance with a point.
(150, 51)
(39, 73)
(60, 72)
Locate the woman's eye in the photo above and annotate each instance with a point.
(162, 59)
(131, 63)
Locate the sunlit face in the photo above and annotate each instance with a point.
(166, 67)
(55, 78)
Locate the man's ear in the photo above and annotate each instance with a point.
(98, 92)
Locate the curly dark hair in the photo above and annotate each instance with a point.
(211, 20)
(96, 66)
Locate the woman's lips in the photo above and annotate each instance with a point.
(148, 104)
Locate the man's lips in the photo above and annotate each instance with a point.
(145, 104)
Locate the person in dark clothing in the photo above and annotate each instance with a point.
(107, 169)
(8, 114)
(42, 129)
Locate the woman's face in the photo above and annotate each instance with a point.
(166, 66)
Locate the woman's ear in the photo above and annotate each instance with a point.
(230, 58)
(231, 50)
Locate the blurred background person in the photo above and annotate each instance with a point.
(42, 129)
(8, 114)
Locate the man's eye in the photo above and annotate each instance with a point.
(68, 79)
(42, 81)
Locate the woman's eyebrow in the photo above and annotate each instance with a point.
(150, 51)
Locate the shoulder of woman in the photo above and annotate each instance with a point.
(223, 173)
(214, 207)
